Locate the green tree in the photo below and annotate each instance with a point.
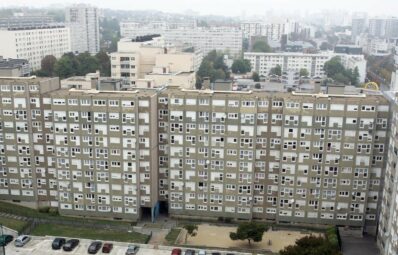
(241, 66)
(66, 66)
(110, 34)
(86, 64)
(311, 245)
(255, 77)
(261, 46)
(325, 46)
(250, 231)
(355, 77)
(333, 67)
(47, 65)
(104, 63)
(212, 66)
(191, 230)
(304, 72)
(277, 70)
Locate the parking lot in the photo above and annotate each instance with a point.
(42, 245)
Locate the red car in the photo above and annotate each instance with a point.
(107, 247)
(176, 251)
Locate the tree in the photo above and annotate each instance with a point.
(104, 63)
(241, 66)
(47, 65)
(325, 46)
(311, 245)
(191, 230)
(65, 67)
(304, 72)
(333, 67)
(277, 70)
(355, 77)
(257, 86)
(212, 66)
(261, 46)
(256, 77)
(86, 64)
(250, 231)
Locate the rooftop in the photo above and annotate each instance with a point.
(12, 63)
(104, 93)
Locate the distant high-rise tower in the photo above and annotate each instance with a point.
(83, 21)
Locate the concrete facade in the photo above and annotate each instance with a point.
(34, 44)
(283, 157)
(205, 39)
(262, 63)
(153, 60)
(83, 21)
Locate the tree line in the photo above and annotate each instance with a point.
(75, 65)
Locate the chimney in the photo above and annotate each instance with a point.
(206, 83)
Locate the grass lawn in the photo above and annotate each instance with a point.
(17, 225)
(29, 212)
(88, 233)
(172, 236)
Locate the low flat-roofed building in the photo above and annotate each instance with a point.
(14, 67)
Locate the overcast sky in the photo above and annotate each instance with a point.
(227, 7)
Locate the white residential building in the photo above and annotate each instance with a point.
(150, 55)
(34, 44)
(83, 21)
(262, 63)
(273, 30)
(228, 39)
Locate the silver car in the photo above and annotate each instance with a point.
(22, 240)
(132, 249)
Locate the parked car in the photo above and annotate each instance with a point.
(107, 247)
(176, 251)
(215, 253)
(21, 240)
(71, 244)
(57, 243)
(132, 249)
(202, 252)
(5, 239)
(189, 252)
(94, 247)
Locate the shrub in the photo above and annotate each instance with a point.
(53, 211)
(44, 209)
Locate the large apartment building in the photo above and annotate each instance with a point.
(284, 157)
(27, 161)
(205, 39)
(83, 21)
(388, 223)
(262, 63)
(34, 43)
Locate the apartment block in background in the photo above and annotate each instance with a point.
(83, 21)
(34, 43)
(205, 39)
(262, 63)
(148, 62)
(27, 172)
